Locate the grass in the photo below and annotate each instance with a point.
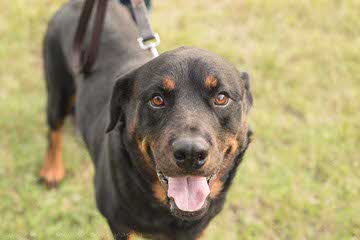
(301, 176)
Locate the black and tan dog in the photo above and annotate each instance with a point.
(165, 135)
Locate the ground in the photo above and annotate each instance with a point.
(301, 175)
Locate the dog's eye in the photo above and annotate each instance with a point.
(157, 101)
(221, 99)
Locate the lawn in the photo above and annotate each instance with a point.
(301, 175)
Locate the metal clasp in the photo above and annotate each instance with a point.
(150, 44)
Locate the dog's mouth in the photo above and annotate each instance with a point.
(187, 195)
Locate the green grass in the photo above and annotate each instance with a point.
(301, 175)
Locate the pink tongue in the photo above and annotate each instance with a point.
(189, 193)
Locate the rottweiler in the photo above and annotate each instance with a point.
(165, 135)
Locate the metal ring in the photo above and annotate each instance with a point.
(148, 43)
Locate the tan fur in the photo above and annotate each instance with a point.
(130, 236)
(231, 142)
(211, 82)
(216, 187)
(159, 191)
(53, 170)
(168, 84)
(143, 144)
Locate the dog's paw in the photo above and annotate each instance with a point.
(51, 175)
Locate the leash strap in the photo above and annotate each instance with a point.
(84, 59)
(148, 39)
(96, 35)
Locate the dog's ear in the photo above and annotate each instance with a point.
(120, 97)
(249, 98)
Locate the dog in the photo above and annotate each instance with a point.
(165, 135)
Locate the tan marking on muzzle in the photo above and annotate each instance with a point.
(159, 191)
(143, 145)
(232, 142)
(216, 187)
(231, 145)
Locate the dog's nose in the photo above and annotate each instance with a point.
(190, 153)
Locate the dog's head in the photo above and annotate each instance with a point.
(186, 110)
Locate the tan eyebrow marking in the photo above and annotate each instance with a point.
(168, 84)
(211, 82)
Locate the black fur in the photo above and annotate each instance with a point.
(116, 92)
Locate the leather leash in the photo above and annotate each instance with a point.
(85, 58)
